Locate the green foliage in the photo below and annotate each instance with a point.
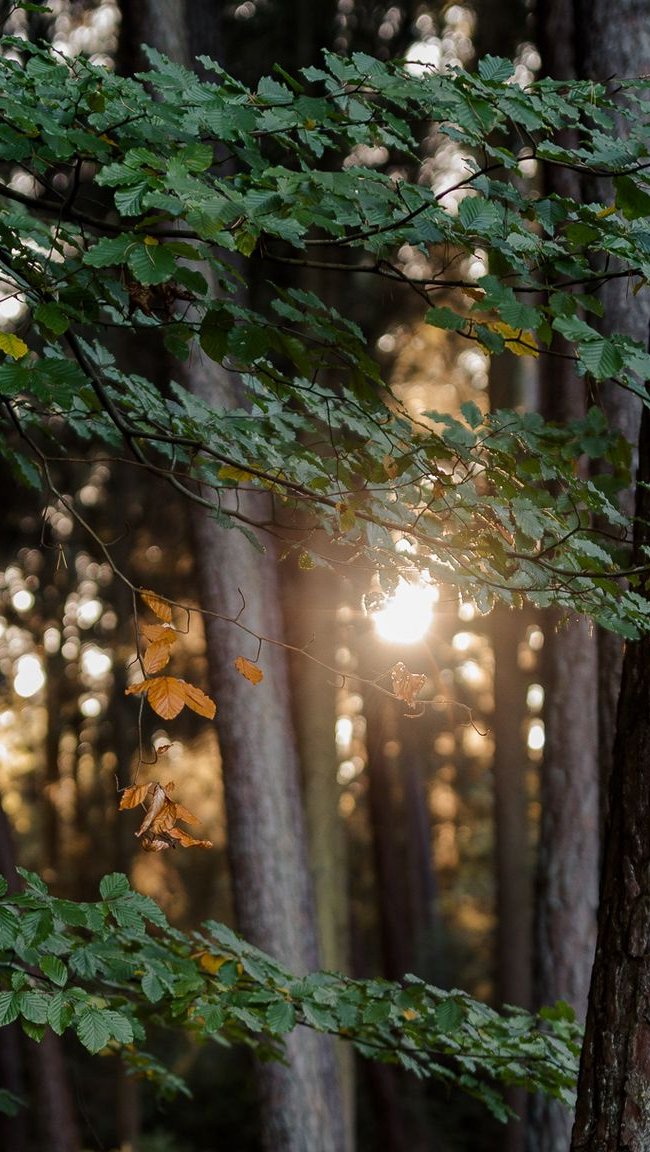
(498, 511)
(110, 971)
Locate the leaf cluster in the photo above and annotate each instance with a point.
(152, 195)
(111, 970)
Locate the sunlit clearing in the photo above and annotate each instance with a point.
(29, 678)
(406, 617)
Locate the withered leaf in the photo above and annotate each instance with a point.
(168, 696)
(406, 685)
(198, 701)
(158, 830)
(161, 608)
(159, 633)
(161, 813)
(156, 656)
(187, 841)
(134, 795)
(248, 669)
(165, 694)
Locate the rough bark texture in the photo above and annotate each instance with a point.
(613, 1112)
(301, 1108)
(613, 40)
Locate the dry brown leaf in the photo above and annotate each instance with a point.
(198, 701)
(156, 656)
(151, 842)
(166, 695)
(161, 608)
(187, 841)
(185, 816)
(133, 796)
(248, 669)
(158, 830)
(406, 685)
(159, 633)
(157, 817)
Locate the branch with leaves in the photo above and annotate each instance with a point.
(111, 971)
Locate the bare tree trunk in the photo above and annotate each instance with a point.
(613, 1113)
(613, 41)
(300, 1101)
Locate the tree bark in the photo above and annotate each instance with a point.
(301, 1106)
(613, 1111)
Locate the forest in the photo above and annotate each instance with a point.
(324, 622)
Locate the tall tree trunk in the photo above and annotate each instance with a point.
(613, 41)
(300, 1101)
(613, 1112)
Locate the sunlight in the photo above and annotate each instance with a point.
(29, 678)
(407, 615)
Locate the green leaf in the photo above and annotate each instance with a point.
(92, 1027)
(33, 1006)
(59, 1013)
(633, 200)
(281, 1017)
(113, 886)
(151, 263)
(9, 927)
(445, 318)
(9, 1007)
(215, 329)
(152, 987)
(495, 68)
(10, 1104)
(449, 1016)
(54, 969)
(52, 318)
(129, 201)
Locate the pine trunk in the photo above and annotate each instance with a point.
(613, 1112)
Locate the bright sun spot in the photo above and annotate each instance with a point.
(407, 615)
(29, 678)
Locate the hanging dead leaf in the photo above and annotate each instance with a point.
(187, 841)
(198, 701)
(165, 694)
(406, 685)
(185, 816)
(156, 656)
(158, 633)
(154, 842)
(168, 696)
(249, 670)
(161, 813)
(161, 608)
(158, 830)
(133, 796)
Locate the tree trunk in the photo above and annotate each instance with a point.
(613, 41)
(300, 1101)
(613, 1111)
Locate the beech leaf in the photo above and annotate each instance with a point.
(166, 695)
(198, 701)
(248, 669)
(133, 796)
(159, 633)
(156, 656)
(406, 685)
(161, 608)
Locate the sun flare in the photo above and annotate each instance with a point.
(407, 615)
